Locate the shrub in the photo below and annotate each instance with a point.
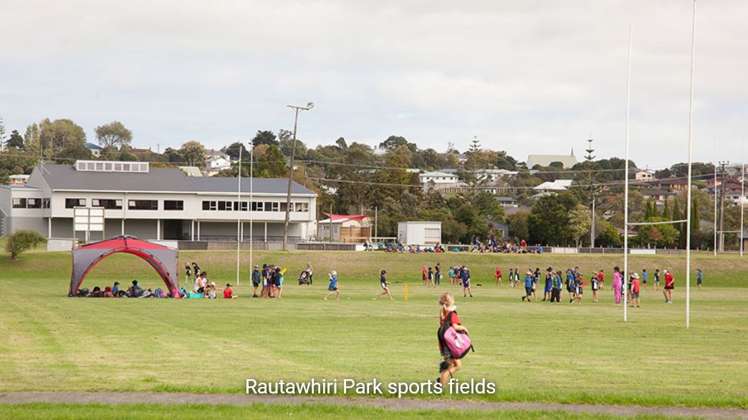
(23, 240)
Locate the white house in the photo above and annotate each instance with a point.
(155, 203)
(216, 162)
(94, 148)
(438, 180)
(419, 233)
(645, 175)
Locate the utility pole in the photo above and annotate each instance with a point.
(742, 206)
(722, 165)
(589, 158)
(296, 110)
(714, 246)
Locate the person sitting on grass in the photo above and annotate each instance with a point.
(332, 287)
(529, 280)
(383, 284)
(228, 292)
(108, 292)
(135, 290)
(115, 289)
(448, 318)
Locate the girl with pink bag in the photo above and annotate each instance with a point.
(454, 342)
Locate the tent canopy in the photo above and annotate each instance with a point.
(162, 258)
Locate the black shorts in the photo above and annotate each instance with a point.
(528, 291)
(332, 289)
(255, 284)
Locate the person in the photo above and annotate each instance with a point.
(635, 289)
(511, 277)
(430, 276)
(310, 271)
(451, 275)
(187, 274)
(466, 282)
(498, 276)
(657, 278)
(115, 289)
(548, 284)
(669, 286)
(516, 277)
(617, 284)
(228, 292)
(579, 291)
(256, 280)
(437, 274)
(601, 279)
(424, 275)
(556, 287)
(645, 277)
(279, 279)
(529, 281)
(332, 287)
(448, 318)
(699, 277)
(571, 284)
(536, 279)
(135, 290)
(210, 291)
(383, 284)
(595, 284)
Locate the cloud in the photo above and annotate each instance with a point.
(527, 77)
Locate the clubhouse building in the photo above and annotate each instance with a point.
(109, 198)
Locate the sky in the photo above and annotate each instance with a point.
(522, 76)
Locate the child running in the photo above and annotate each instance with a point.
(383, 284)
(332, 287)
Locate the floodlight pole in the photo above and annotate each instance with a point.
(239, 209)
(296, 109)
(626, 186)
(715, 210)
(690, 160)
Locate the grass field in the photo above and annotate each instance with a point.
(533, 352)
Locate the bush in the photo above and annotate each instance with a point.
(23, 240)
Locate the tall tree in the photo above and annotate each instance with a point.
(15, 141)
(63, 140)
(264, 137)
(114, 134)
(193, 153)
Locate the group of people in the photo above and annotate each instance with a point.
(410, 249)
(270, 280)
(115, 291)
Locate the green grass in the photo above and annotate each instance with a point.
(534, 352)
(262, 411)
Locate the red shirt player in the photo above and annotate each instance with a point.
(228, 292)
(498, 275)
(669, 286)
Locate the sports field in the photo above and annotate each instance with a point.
(533, 352)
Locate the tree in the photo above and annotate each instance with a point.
(114, 134)
(193, 153)
(22, 241)
(393, 142)
(15, 141)
(518, 226)
(234, 149)
(549, 223)
(580, 222)
(264, 137)
(270, 162)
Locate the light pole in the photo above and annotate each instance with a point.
(296, 109)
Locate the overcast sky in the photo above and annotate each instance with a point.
(522, 76)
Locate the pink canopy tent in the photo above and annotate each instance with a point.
(162, 258)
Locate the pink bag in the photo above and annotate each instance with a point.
(459, 344)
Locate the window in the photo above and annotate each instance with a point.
(45, 203)
(173, 205)
(245, 205)
(258, 206)
(210, 205)
(283, 206)
(272, 206)
(19, 203)
(142, 204)
(107, 203)
(34, 203)
(71, 203)
(302, 207)
(222, 206)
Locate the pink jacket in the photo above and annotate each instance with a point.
(617, 280)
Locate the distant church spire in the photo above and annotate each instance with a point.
(572, 151)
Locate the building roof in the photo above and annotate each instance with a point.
(545, 160)
(557, 185)
(342, 218)
(93, 146)
(437, 173)
(66, 177)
